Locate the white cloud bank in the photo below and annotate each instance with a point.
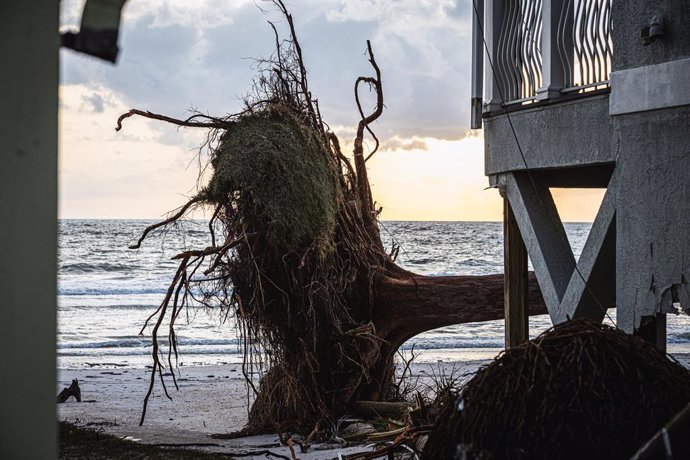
(176, 55)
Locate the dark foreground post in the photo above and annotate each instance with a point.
(28, 228)
(515, 281)
(653, 330)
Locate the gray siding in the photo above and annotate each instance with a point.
(629, 17)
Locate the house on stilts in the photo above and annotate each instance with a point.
(589, 94)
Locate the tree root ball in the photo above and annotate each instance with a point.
(283, 175)
(298, 281)
(580, 390)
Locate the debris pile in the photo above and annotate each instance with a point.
(579, 390)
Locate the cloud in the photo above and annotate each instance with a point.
(444, 183)
(397, 143)
(166, 13)
(200, 13)
(70, 12)
(96, 101)
(383, 10)
(177, 55)
(423, 49)
(169, 66)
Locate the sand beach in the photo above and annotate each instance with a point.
(211, 399)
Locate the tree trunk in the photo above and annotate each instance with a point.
(405, 306)
(332, 313)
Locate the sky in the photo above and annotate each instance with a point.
(177, 56)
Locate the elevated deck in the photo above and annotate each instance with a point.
(557, 134)
(560, 109)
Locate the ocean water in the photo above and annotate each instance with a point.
(106, 292)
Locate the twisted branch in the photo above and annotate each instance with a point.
(215, 123)
(364, 189)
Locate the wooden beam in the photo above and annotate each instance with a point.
(653, 330)
(544, 236)
(515, 280)
(592, 287)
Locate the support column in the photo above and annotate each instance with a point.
(28, 228)
(494, 14)
(477, 64)
(544, 237)
(653, 330)
(557, 48)
(515, 280)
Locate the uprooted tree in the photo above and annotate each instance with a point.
(295, 254)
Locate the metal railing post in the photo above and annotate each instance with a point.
(477, 64)
(556, 47)
(493, 21)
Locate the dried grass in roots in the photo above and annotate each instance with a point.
(580, 390)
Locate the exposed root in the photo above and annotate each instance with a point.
(174, 218)
(191, 122)
(301, 256)
(364, 189)
(579, 390)
(298, 261)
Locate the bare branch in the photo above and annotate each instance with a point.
(374, 83)
(364, 189)
(189, 122)
(154, 351)
(336, 146)
(167, 221)
(211, 223)
(208, 251)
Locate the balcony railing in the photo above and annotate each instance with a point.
(537, 50)
(518, 61)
